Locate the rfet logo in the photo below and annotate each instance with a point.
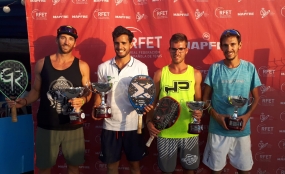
(261, 156)
(282, 116)
(263, 129)
(280, 170)
(264, 101)
(39, 15)
(160, 14)
(281, 144)
(220, 12)
(283, 11)
(100, 14)
(263, 71)
(100, 166)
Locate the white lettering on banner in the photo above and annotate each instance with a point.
(201, 0)
(99, 14)
(283, 11)
(198, 14)
(245, 13)
(264, 12)
(54, 2)
(281, 144)
(263, 129)
(84, 167)
(80, 1)
(220, 12)
(160, 14)
(100, 166)
(203, 45)
(62, 166)
(101, 1)
(261, 156)
(263, 101)
(140, 16)
(122, 17)
(263, 117)
(140, 2)
(264, 88)
(98, 139)
(262, 145)
(148, 41)
(79, 16)
(282, 116)
(60, 16)
(280, 170)
(118, 2)
(180, 14)
(263, 71)
(283, 87)
(38, 15)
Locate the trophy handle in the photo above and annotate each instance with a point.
(207, 101)
(250, 99)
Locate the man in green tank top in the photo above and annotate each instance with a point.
(183, 83)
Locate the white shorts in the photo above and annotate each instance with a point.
(238, 150)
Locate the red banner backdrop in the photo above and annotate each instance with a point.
(262, 26)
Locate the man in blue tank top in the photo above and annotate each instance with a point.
(54, 129)
(231, 76)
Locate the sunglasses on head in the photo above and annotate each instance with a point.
(231, 31)
(68, 29)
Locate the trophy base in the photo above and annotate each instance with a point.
(233, 124)
(103, 112)
(195, 128)
(76, 117)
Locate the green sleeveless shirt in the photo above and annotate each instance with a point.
(181, 88)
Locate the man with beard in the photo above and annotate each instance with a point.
(176, 139)
(58, 71)
(120, 131)
(231, 76)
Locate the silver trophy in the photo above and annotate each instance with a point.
(102, 111)
(237, 101)
(76, 115)
(195, 127)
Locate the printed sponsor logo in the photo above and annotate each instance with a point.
(280, 170)
(140, 2)
(283, 11)
(122, 17)
(98, 139)
(281, 144)
(39, 15)
(263, 71)
(262, 157)
(79, 16)
(100, 166)
(263, 129)
(282, 158)
(140, 16)
(84, 167)
(264, 13)
(180, 14)
(262, 145)
(261, 171)
(101, 1)
(264, 117)
(198, 14)
(264, 88)
(201, 0)
(160, 14)
(60, 16)
(100, 14)
(283, 87)
(80, 1)
(118, 2)
(245, 13)
(282, 116)
(37, 0)
(220, 12)
(54, 2)
(206, 36)
(264, 101)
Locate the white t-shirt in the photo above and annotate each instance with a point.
(124, 117)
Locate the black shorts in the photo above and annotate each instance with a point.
(113, 143)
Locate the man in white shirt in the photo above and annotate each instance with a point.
(122, 126)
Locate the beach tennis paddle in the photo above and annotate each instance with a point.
(165, 114)
(13, 81)
(141, 92)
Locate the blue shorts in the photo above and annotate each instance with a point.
(113, 143)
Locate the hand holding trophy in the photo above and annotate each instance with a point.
(76, 116)
(195, 127)
(237, 101)
(101, 88)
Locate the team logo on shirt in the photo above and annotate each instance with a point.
(178, 85)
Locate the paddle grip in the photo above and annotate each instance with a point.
(14, 114)
(149, 141)
(140, 124)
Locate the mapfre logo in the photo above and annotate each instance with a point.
(181, 14)
(37, 0)
(79, 16)
(160, 14)
(140, 16)
(264, 101)
(60, 16)
(39, 15)
(263, 157)
(263, 71)
(281, 144)
(140, 2)
(80, 1)
(220, 12)
(264, 12)
(263, 129)
(282, 11)
(100, 14)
